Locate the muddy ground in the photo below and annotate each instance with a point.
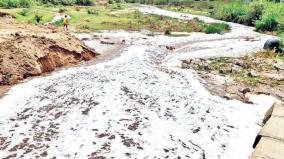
(30, 50)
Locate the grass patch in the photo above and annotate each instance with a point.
(219, 28)
(109, 18)
(247, 79)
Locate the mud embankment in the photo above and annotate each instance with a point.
(32, 50)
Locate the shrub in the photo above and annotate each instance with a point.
(239, 13)
(38, 18)
(92, 11)
(84, 2)
(85, 27)
(67, 2)
(233, 12)
(58, 23)
(24, 12)
(217, 28)
(168, 32)
(119, 1)
(62, 10)
(77, 8)
(15, 3)
(267, 23)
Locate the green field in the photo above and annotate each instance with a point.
(112, 17)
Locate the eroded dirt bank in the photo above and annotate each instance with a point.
(29, 50)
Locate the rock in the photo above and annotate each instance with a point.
(271, 44)
(252, 73)
(279, 66)
(274, 76)
(170, 48)
(263, 92)
(244, 90)
(238, 62)
(107, 42)
(185, 64)
(236, 69)
(206, 67)
(85, 39)
(225, 70)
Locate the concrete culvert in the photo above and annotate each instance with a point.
(272, 44)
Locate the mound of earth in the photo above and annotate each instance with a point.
(29, 50)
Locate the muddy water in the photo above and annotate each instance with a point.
(139, 104)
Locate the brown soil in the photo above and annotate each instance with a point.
(30, 50)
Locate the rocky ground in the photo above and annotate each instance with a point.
(29, 50)
(236, 78)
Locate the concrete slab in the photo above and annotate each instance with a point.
(274, 128)
(268, 148)
(278, 110)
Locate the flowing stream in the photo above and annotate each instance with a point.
(140, 104)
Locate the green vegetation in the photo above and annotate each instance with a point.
(23, 12)
(111, 17)
(264, 15)
(241, 69)
(16, 3)
(248, 79)
(238, 12)
(92, 11)
(219, 28)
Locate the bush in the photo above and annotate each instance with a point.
(267, 23)
(62, 10)
(77, 8)
(84, 2)
(239, 13)
(25, 3)
(68, 2)
(168, 32)
(15, 3)
(92, 11)
(24, 12)
(38, 18)
(58, 23)
(217, 28)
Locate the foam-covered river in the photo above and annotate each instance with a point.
(138, 105)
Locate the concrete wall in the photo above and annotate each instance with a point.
(269, 143)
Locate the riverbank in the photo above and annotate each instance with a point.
(30, 50)
(236, 78)
(117, 108)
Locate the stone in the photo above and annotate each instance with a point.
(252, 73)
(274, 76)
(271, 44)
(170, 48)
(225, 70)
(279, 65)
(244, 90)
(236, 69)
(238, 62)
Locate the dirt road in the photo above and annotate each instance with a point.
(138, 105)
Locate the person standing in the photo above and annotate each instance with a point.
(65, 22)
